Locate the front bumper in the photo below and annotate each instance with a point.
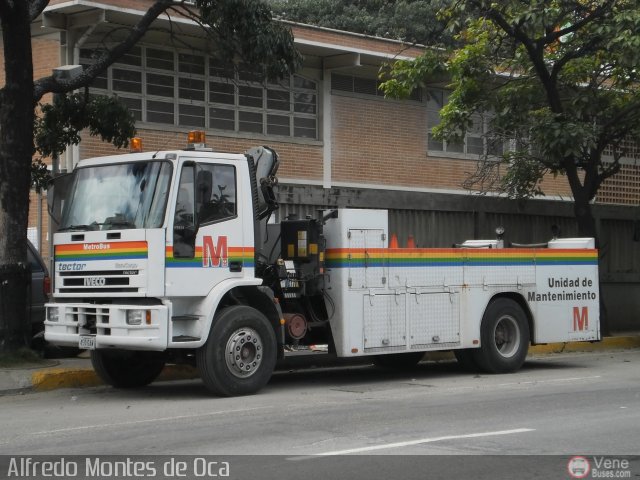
(109, 325)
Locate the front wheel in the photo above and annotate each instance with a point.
(240, 353)
(504, 336)
(127, 369)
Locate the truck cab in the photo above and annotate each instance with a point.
(149, 245)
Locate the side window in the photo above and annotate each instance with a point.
(183, 220)
(216, 193)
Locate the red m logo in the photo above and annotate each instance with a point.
(214, 256)
(580, 319)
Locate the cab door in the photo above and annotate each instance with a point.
(206, 243)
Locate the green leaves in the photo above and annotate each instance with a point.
(559, 77)
(403, 76)
(415, 21)
(61, 123)
(244, 29)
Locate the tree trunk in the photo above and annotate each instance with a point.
(15, 331)
(587, 228)
(16, 150)
(584, 217)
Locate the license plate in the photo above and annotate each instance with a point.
(87, 342)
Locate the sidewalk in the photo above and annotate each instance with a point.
(77, 372)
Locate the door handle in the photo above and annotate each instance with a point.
(235, 266)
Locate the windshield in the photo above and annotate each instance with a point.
(113, 197)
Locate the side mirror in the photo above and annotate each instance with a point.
(266, 163)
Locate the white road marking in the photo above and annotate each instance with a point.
(150, 420)
(551, 380)
(409, 443)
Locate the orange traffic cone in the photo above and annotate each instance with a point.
(411, 242)
(393, 242)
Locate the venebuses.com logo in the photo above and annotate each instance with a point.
(599, 467)
(578, 467)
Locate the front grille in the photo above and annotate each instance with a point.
(110, 281)
(87, 319)
(81, 282)
(99, 290)
(98, 273)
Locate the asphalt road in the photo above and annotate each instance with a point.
(557, 406)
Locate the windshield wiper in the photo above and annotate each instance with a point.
(121, 224)
(76, 228)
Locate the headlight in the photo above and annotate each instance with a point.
(136, 317)
(53, 314)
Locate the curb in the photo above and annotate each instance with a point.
(55, 378)
(607, 343)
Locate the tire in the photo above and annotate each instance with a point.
(398, 361)
(504, 336)
(127, 369)
(465, 359)
(240, 353)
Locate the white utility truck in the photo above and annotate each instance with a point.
(168, 257)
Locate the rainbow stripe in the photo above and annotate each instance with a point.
(245, 255)
(567, 257)
(79, 252)
(456, 257)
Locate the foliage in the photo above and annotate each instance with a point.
(243, 29)
(40, 175)
(60, 123)
(558, 77)
(22, 357)
(407, 20)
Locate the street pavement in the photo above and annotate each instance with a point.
(360, 421)
(77, 372)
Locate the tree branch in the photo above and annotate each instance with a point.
(535, 53)
(49, 84)
(585, 50)
(36, 7)
(555, 35)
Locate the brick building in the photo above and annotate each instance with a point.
(340, 141)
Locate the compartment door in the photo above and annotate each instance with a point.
(385, 324)
(367, 259)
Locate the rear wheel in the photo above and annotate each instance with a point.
(127, 369)
(398, 360)
(504, 335)
(240, 354)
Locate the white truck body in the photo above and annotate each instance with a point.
(154, 287)
(426, 299)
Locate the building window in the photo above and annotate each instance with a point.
(364, 86)
(476, 141)
(185, 89)
(215, 193)
(628, 151)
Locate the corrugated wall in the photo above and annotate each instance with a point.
(431, 228)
